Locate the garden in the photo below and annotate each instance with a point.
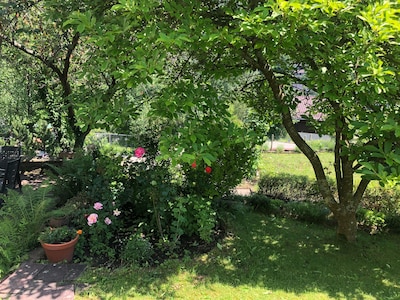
(194, 89)
(278, 242)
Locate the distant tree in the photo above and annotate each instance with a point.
(36, 30)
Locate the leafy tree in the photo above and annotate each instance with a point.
(344, 51)
(36, 30)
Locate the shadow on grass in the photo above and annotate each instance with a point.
(272, 255)
(284, 254)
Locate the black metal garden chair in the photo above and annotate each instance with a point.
(8, 154)
(10, 178)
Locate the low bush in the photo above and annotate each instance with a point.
(261, 203)
(379, 209)
(372, 220)
(306, 211)
(393, 222)
(192, 215)
(137, 250)
(386, 200)
(289, 187)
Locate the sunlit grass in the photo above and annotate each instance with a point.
(293, 163)
(297, 164)
(265, 258)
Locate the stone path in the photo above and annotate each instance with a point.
(41, 281)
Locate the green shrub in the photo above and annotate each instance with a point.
(307, 211)
(229, 207)
(192, 215)
(373, 220)
(73, 176)
(393, 222)
(260, 203)
(137, 250)
(236, 162)
(289, 187)
(383, 199)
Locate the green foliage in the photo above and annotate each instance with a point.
(192, 215)
(382, 199)
(137, 250)
(261, 203)
(202, 116)
(289, 187)
(57, 235)
(373, 220)
(73, 177)
(21, 220)
(307, 211)
(392, 221)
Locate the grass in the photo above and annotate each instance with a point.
(298, 164)
(293, 163)
(264, 258)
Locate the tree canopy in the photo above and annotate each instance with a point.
(341, 54)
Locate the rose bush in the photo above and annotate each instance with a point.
(119, 194)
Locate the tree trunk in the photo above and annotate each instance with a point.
(80, 137)
(347, 223)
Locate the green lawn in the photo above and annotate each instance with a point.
(264, 258)
(293, 163)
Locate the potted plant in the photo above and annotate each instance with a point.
(60, 217)
(59, 243)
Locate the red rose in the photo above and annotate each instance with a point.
(139, 152)
(194, 165)
(208, 170)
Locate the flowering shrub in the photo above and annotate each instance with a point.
(93, 218)
(103, 226)
(104, 209)
(122, 193)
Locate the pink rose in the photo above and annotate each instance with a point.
(139, 152)
(107, 221)
(98, 206)
(92, 219)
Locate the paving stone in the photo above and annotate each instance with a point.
(49, 291)
(21, 278)
(41, 281)
(60, 272)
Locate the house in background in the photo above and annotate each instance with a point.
(306, 131)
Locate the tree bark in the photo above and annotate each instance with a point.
(346, 222)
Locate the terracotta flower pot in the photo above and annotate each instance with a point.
(60, 252)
